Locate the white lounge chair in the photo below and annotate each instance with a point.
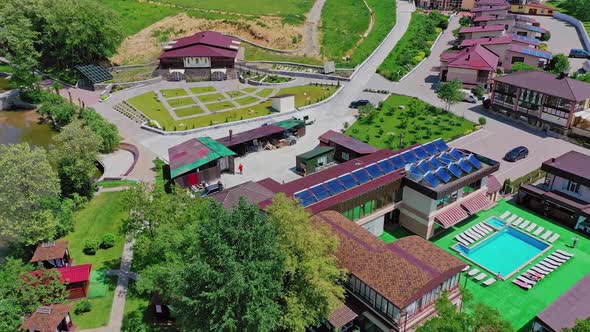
(463, 242)
(489, 281)
(473, 234)
(473, 272)
(538, 231)
(470, 239)
(553, 261)
(548, 265)
(512, 218)
(531, 227)
(518, 221)
(533, 272)
(524, 224)
(564, 253)
(486, 227)
(522, 284)
(558, 258)
(481, 229)
(477, 231)
(546, 235)
(526, 280)
(466, 239)
(505, 215)
(543, 267)
(553, 238)
(540, 270)
(481, 277)
(467, 267)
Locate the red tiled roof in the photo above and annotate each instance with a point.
(476, 202)
(550, 84)
(490, 8)
(347, 142)
(478, 57)
(503, 3)
(451, 216)
(506, 39)
(249, 135)
(205, 43)
(482, 28)
(46, 322)
(341, 316)
(528, 51)
(493, 184)
(77, 273)
(50, 250)
(199, 50)
(270, 184)
(402, 271)
(539, 5)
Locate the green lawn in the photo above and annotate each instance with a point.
(137, 306)
(103, 214)
(246, 100)
(5, 68)
(186, 111)
(515, 304)
(179, 102)
(202, 89)
(170, 93)
(116, 183)
(211, 97)
(222, 105)
(264, 93)
(308, 94)
(289, 8)
(254, 53)
(249, 90)
(235, 94)
(132, 74)
(419, 123)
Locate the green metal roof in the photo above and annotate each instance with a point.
(290, 123)
(217, 147)
(320, 150)
(195, 153)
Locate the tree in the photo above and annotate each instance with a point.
(107, 131)
(28, 185)
(466, 21)
(450, 92)
(367, 113)
(584, 77)
(581, 326)
(311, 287)
(578, 8)
(558, 64)
(75, 155)
(521, 66)
(58, 109)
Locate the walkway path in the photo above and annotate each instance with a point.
(311, 32)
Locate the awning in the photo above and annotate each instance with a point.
(451, 216)
(341, 316)
(171, 71)
(476, 203)
(493, 184)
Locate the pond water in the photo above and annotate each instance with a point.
(25, 126)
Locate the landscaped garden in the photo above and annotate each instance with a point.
(179, 102)
(187, 111)
(407, 120)
(515, 304)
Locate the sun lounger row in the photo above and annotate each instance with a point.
(530, 227)
(479, 276)
(540, 270)
(473, 234)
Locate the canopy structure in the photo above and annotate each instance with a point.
(290, 123)
(451, 216)
(94, 73)
(195, 153)
(476, 203)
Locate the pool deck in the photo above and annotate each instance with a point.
(515, 304)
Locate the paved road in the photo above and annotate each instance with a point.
(311, 33)
(564, 37)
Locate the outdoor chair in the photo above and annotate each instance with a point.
(556, 257)
(486, 227)
(512, 218)
(473, 272)
(548, 265)
(524, 224)
(531, 227)
(505, 215)
(539, 230)
(467, 267)
(477, 231)
(553, 261)
(540, 270)
(554, 238)
(546, 235)
(473, 235)
(522, 284)
(489, 281)
(465, 239)
(564, 253)
(463, 242)
(482, 228)
(481, 277)
(526, 280)
(518, 221)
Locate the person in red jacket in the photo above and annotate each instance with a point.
(241, 168)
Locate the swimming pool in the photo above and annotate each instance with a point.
(505, 252)
(496, 223)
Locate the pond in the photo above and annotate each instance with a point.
(18, 126)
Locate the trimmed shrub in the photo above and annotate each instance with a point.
(108, 241)
(90, 247)
(82, 307)
(482, 121)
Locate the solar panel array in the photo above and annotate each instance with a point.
(442, 168)
(529, 27)
(537, 53)
(417, 162)
(95, 73)
(525, 38)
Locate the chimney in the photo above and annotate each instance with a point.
(230, 134)
(552, 160)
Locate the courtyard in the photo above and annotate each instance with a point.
(517, 305)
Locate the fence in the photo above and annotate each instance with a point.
(578, 25)
(513, 186)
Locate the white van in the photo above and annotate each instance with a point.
(468, 96)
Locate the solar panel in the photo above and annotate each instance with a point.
(443, 174)
(347, 181)
(435, 163)
(423, 166)
(441, 145)
(305, 197)
(456, 154)
(465, 165)
(535, 52)
(386, 165)
(334, 186)
(431, 179)
(374, 171)
(320, 192)
(95, 73)
(455, 170)
(525, 38)
(361, 176)
(420, 152)
(397, 161)
(415, 173)
(430, 148)
(445, 158)
(474, 161)
(409, 157)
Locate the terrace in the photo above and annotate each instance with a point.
(515, 304)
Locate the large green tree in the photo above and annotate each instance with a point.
(558, 64)
(107, 131)
(28, 184)
(450, 92)
(578, 8)
(582, 325)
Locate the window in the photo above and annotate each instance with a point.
(345, 156)
(516, 59)
(572, 186)
(448, 199)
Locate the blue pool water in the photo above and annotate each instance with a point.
(504, 252)
(497, 223)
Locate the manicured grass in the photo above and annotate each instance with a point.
(308, 94)
(515, 304)
(169, 93)
(253, 7)
(264, 93)
(101, 309)
(419, 123)
(223, 105)
(246, 100)
(179, 102)
(116, 183)
(186, 111)
(249, 90)
(5, 68)
(202, 89)
(211, 97)
(254, 53)
(137, 306)
(235, 94)
(152, 108)
(413, 47)
(343, 24)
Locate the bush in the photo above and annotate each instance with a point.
(478, 92)
(108, 241)
(482, 121)
(90, 247)
(546, 36)
(82, 307)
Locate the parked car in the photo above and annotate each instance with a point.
(211, 189)
(516, 154)
(359, 103)
(579, 53)
(468, 96)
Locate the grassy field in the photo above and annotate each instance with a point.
(116, 183)
(558, 4)
(203, 89)
(103, 214)
(264, 93)
(246, 100)
(515, 304)
(254, 53)
(418, 121)
(178, 102)
(137, 15)
(5, 68)
(222, 105)
(343, 24)
(170, 93)
(132, 74)
(186, 111)
(249, 90)
(235, 94)
(211, 97)
(286, 8)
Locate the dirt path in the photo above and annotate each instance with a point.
(372, 22)
(311, 33)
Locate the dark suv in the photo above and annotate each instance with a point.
(359, 103)
(211, 189)
(516, 154)
(579, 53)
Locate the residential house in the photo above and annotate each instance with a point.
(499, 10)
(532, 8)
(52, 254)
(474, 66)
(507, 20)
(487, 3)
(542, 99)
(312, 161)
(564, 195)
(512, 48)
(205, 55)
(346, 147)
(445, 4)
(52, 318)
(529, 31)
(392, 287)
(484, 31)
(253, 192)
(563, 313)
(523, 54)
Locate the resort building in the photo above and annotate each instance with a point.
(569, 307)
(532, 8)
(487, 3)
(346, 147)
(253, 192)
(52, 318)
(565, 194)
(206, 55)
(557, 103)
(529, 31)
(507, 20)
(499, 10)
(445, 4)
(392, 287)
(474, 66)
(483, 31)
(52, 254)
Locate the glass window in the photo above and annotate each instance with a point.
(345, 156)
(573, 187)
